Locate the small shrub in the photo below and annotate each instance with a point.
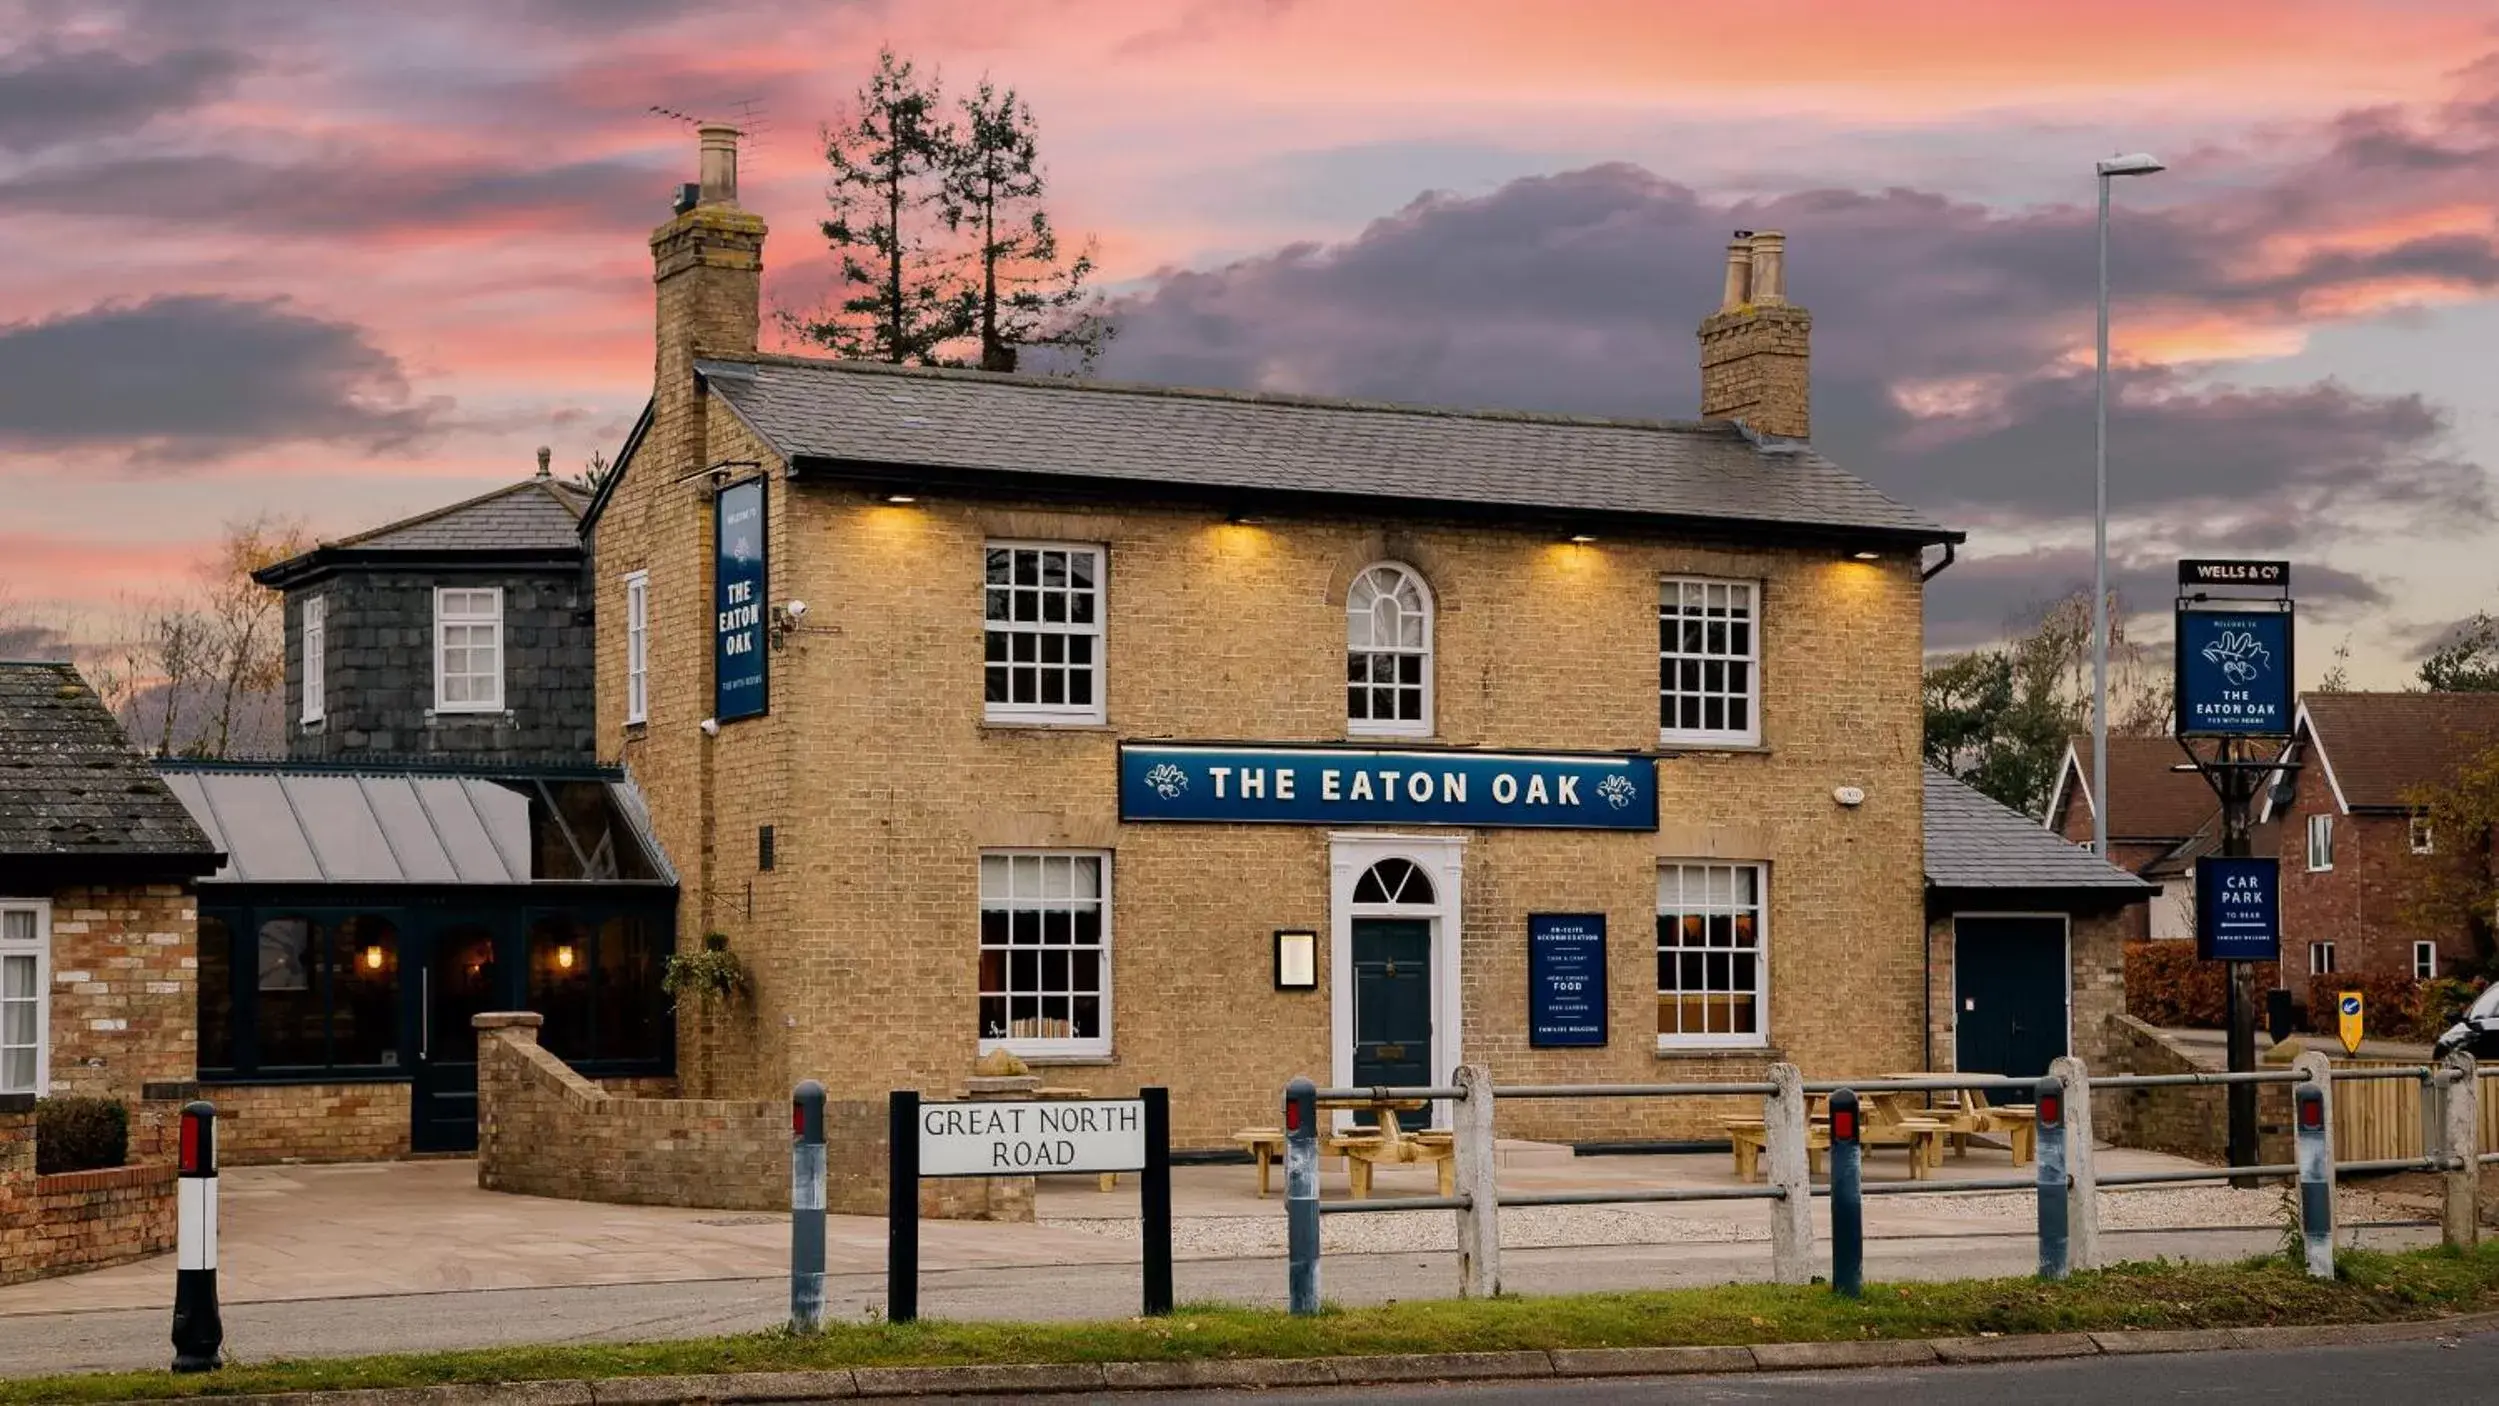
(80, 1135)
(2168, 985)
(2442, 1001)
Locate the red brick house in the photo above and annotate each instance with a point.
(2159, 821)
(2352, 841)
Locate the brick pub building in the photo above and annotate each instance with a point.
(1207, 739)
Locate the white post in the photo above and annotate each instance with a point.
(2320, 1069)
(1479, 1221)
(2082, 1194)
(2460, 1224)
(1792, 1215)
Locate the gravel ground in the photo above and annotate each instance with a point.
(2151, 1208)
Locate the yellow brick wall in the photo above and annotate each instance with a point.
(884, 785)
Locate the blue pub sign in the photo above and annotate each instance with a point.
(2238, 908)
(1363, 786)
(739, 685)
(1565, 979)
(2234, 673)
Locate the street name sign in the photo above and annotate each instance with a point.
(982, 1138)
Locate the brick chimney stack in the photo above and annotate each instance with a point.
(1756, 349)
(708, 261)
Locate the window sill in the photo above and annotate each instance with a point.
(1675, 1052)
(1042, 725)
(1105, 1060)
(312, 726)
(1691, 744)
(438, 714)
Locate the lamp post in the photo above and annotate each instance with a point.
(2138, 164)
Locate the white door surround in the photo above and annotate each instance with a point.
(1351, 853)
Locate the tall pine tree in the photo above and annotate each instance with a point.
(900, 297)
(1019, 293)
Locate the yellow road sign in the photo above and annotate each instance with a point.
(2348, 1017)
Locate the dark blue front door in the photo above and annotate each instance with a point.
(1393, 1006)
(2009, 980)
(458, 976)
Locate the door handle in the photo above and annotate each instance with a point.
(425, 1013)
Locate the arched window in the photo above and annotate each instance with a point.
(1388, 653)
(1393, 881)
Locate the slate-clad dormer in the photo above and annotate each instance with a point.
(459, 633)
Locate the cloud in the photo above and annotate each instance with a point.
(181, 379)
(1951, 358)
(1983, 599)
(50, 95)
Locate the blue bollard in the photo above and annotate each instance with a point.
(2054, 1250)
(1848, 1200)
(1301, 1193)
(807, 1207)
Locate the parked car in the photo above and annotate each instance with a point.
(2478, 1033)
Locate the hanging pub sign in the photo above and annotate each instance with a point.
(740, 688)
(1358, 785)
(1565, 979)
(2234, 672)
(2238, 908)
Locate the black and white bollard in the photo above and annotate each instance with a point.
(199, 1336)
(902, 1207)
(2049, 1109)
(2314, 1152)
(1301, 1194)
(1848, 1205)
(807, 1207)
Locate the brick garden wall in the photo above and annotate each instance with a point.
(261, 1123)
(75, 1220)
(2191, 1122)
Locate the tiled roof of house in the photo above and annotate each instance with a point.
(534, 515)
(2379, 747)
(2147, 800)
(870, 414)
(71, 785)
(1973, 842)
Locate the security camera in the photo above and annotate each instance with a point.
(797, 609)
(711, 727)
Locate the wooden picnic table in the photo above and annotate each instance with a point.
(1970, 1113)
(1365, 1148)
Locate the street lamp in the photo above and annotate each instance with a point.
(2136, 164)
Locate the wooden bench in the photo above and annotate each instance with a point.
(1751, 1139)
(1366, 1151)
(1266, 1148)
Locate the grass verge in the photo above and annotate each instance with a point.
(2370, 1288)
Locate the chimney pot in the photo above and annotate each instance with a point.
(1739, 273)
(720, 164)
(546, 457)
(1769, 268)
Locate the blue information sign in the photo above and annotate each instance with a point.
(2234, 673)
(2238, 909)
(739, 685)
(1351, 785)
(1565, 979)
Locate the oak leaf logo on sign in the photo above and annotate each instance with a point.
(1167, 781)
(2241, 658)
(1617, 791)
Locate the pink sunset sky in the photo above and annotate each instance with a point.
(347, 261)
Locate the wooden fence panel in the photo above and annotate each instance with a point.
(2376, 1119)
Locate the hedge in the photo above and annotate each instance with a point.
(80, 1135)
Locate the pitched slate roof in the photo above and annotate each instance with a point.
(72, 786)
(2380, 746)
(1972, 842)
(534, 515)
(2147, 800)
(869, 415)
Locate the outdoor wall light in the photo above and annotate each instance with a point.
(564, 956)
(710, 727)
(373, 957)
(900, 498)
(1849, 796)
(1868, 556)
(1580, 539)
(1297, 959)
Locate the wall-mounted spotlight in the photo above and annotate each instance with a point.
(1580, 539)
(710, 727)
(1867, 556)
(901, 498)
